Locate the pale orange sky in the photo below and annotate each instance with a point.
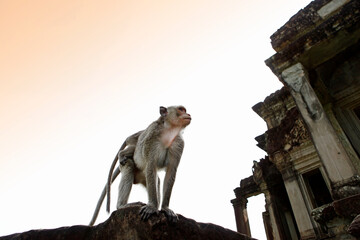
(73, 48)
(77, 77)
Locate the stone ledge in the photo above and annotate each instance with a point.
(312, 46)
(125, 224)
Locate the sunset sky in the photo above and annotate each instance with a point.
(77, 77)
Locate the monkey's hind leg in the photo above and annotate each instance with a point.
(126, 182)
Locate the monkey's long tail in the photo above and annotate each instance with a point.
(102, 196)
(111, 178)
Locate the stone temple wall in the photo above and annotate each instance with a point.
(310, 176)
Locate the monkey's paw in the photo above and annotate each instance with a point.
(170, 215)
(146, 211)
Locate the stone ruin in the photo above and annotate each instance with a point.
(310, 176)
(125, 224)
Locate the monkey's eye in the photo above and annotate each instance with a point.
(182, 109)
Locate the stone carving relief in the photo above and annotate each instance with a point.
(295, 77)
(281, 160)
(347, 188)
(297, 135)
(257, 173)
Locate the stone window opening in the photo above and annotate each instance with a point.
(317, 188)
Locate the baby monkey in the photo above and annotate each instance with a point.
(128, 148)
(159, 146)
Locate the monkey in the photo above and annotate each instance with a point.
(159, 146)
(125, 153)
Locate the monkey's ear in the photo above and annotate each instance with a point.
(163, 111)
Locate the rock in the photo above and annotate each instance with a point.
(354, 228)
(126, 224)
(348, 207)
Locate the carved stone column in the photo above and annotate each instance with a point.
(331, 152)
(298, 205)
(270, 222)
(241, 216)
(267, 225)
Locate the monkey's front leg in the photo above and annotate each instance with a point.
(153, 203)
(168, 185)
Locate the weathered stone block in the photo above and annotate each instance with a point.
(125, 224)
(354, 228)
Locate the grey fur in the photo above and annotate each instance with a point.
(159, 146)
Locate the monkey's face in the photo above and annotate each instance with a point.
(177, 116)
(183, 117)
